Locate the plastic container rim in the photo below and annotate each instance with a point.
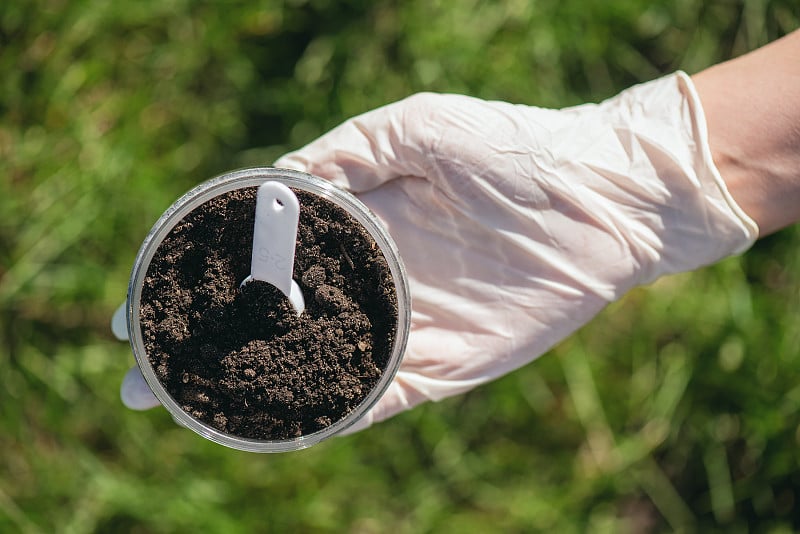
(247, 178)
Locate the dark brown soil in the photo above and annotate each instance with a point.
(241, 360)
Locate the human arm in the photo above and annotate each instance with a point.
(518, 224)
(752, 107)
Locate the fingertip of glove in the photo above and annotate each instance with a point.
(362, 424)
(135, 393)
(392, 402)
(319, 164)
(119, 322)
(291, 161)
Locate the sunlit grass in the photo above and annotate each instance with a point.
(676, 409)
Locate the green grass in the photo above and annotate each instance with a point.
(678, 409)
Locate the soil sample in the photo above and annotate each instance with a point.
(239, 358)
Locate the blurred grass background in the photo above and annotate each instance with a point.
(678, 409)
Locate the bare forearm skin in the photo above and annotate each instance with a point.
(752, 108)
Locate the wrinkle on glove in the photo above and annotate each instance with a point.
(517, 224)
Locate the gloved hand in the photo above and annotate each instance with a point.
(518, 224)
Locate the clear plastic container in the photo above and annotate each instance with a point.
(248, 178)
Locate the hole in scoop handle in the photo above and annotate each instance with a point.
(275, 235)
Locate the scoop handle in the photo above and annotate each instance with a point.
(275, 235)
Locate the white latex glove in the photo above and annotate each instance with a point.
(517, 224)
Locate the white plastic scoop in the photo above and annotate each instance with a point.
(274, 237)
